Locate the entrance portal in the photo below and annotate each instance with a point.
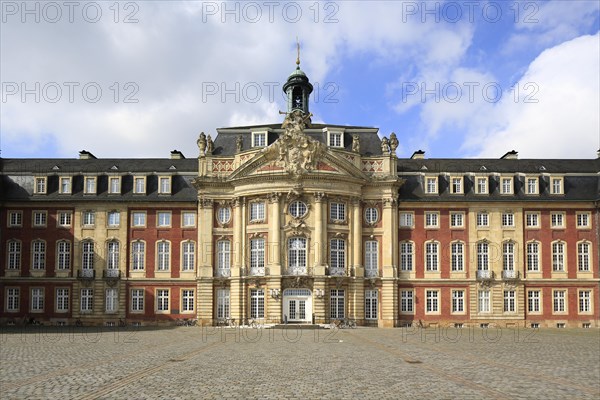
(297, 305)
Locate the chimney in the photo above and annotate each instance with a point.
(177, 155)
(511, 155)
(418, 155)
(86, 155)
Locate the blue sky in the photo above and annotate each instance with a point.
(453, 78)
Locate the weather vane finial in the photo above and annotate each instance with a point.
(298, 46)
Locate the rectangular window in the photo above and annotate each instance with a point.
(111, 302)
(456, 185)
(40, 219)
(509, 301)
(335, 139)
(481, 185)
(188, 261)
(431, 256)
(257, 211)
(533, 301)
(65, 185)
(406, 220)
(138, 255)
(40, 185)
(337, 304)
(62, 300)
(223, 303)
(431, 219)
(188, 219)
(506, 186)
(557, 220)
(432, 301)
(259, 139)
(257, 303)
(88, 218)
(531, 186)
(431, 185)
(114, 185)
(89, 185)
(138, 218)
(87, 255)
(371, 304)
(65, 218)
(37, 300)
(457, 256)
(164, 185)
(337, 253)
(223, 257)
(558, 256)
(483, 259)
(257, 253)
(163, 219)
(508, 220)
(583, 220)
(559, 297)
(163, 250)
(458, 301)
(457, 220)
(38, 254)
(137, 300)
(63, 255)
(296, 255)
(583, 256)
(337, 211)
(532, 220)
(371, 256)
(483, 297)
(87, 300)
(13, 297)
(406, 256)
(139, 185)
(14, 254)
(162, 300)
(508, 256)
(15, 218)
(533, 256)
(187, 300)
(585, 304)
(112, 255)
(483, 219)
(556, 186)
(406, 301)
(114, 219)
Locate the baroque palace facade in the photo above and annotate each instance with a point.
(300, 223)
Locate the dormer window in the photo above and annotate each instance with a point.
(65, 185)
(531, 185)
(481, 185)
(164, 184)
(506, 185)
(89, 185)
(259, 139)
(556, 185)
(139, 184)
(335, 138)
(431, 185)
(40, 185)
(114, 185)
(456, 185)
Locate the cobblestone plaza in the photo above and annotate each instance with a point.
(244, 363)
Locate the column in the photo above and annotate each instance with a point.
(320, 234)
(275, 234)
(357, 237)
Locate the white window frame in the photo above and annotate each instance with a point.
(113, 219)
(297, 252)
(14, 249)
(534, 301)
(111, 300)
(138, 255)
(584, 301)
(139, 185)
(407, 301)
(482, 219)
(508, 255)
(482, 185)
(456, 185)
(138, 296)
(432, 256)
(431, 185)
(90, 185)
(188, 255)
(556, 185)
(163, 256)
(40, 185)
(257, 303)
(86, 303)
(224, 257)
(135, 216)
(114, 185)
(532, 185)
(88, 218)
(335, 138)
(257, 253)
(38, 254)
(560, 299)
(508, 219)
(337, 211)
(163, 301)
(432, 301)
(188, 219)
(15, 219)
(371, 215)
(13, 299)
(432, 219)
(63, 255)
(532, 220)
(483, 255)
(337, 304)
(37, 302)
(337, 253)
(559, 256)
(458, 301)
(510, 301)
(113, 248)
(223, 303)
(259, 139)
(164, 185)
(188, 300)
(39, 218)
(164, 219)
(558, 220)
(457, 256)
(257, 211)
(533, 256)
(457, 219)
(584, 256)
(407, 219)
(583, 220)
(407, 256)
(87, 254)
(65, 185)
(64, 219)
(484, 301)
(62, 300)
(224, 215)
(371, 255)
(506, 183)
(371, 304)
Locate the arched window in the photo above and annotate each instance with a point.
(63, 254)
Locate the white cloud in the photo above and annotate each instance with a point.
(564, 123)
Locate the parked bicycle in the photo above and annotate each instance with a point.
(344, 323)
(252, 323)
(122, 323)
(226, 322)
(187, 322)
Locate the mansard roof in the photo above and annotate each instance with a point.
(491, 165)
(225, 142)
